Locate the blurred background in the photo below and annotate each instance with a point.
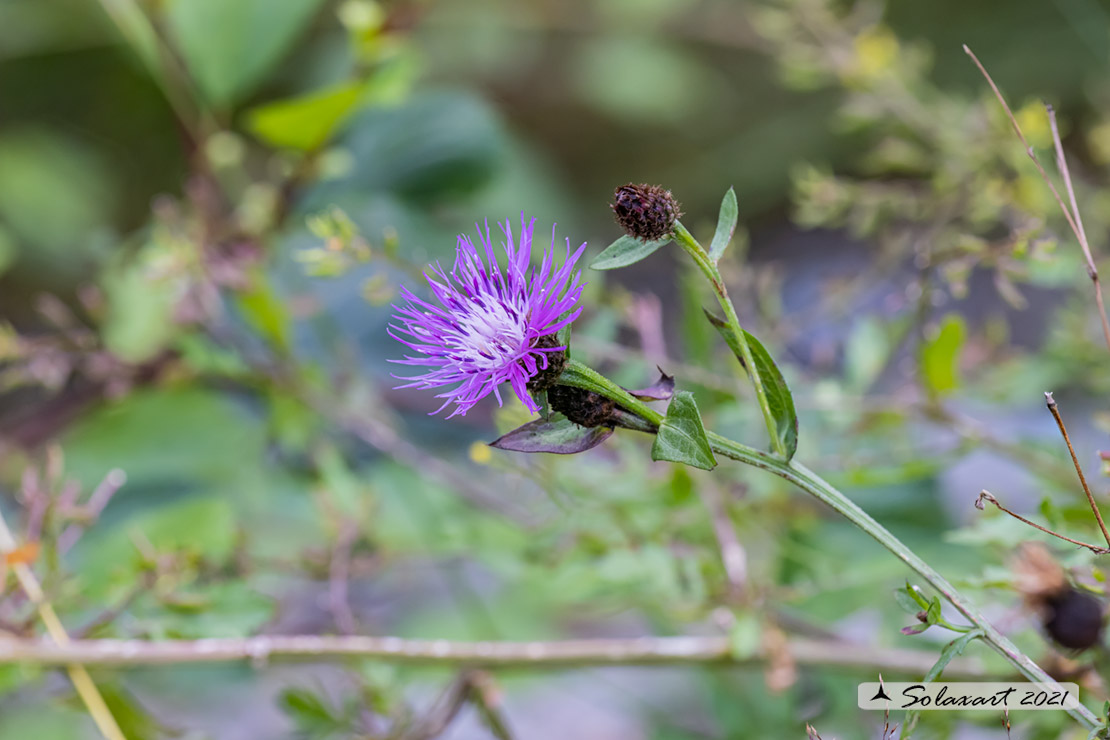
(207, 206)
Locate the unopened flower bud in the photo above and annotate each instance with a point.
(645, 212)
(585, 408)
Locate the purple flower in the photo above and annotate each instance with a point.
(489, 326)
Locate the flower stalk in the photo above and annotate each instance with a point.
(701, 258)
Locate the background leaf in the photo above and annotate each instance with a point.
(308, 121)
(940, 356)
(230, 47)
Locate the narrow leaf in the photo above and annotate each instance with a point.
(660, 390)
(906, 602)
(950, 651)
(915, 592)
(558, 435)
(726, 225)
(681, 436)
(778, 393)
(626, 251)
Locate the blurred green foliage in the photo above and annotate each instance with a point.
(206, 207)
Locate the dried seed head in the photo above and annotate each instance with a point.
(645, 212)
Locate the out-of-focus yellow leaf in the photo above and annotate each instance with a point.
(306, 122)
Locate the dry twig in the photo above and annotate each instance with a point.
(1070, 214)
(985, 495)
(1051, 403)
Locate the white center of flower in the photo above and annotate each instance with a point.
(490, 335)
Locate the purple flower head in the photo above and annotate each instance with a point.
(488, 327)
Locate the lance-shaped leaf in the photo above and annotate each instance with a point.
(660, 390)
(778, 393)
(626, 251)
(558, 435)
(681, 437)
(950, 651)
(726, 225)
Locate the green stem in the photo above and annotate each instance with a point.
(578, 375)
(692, 247)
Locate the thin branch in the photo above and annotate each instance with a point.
(985, 495)
(1070, 214)
(109, 615)
(531, 655)
(486, 698)
(98, 500)
(1051, 402)
(1081, 233)
(82, 682)
(443, 712)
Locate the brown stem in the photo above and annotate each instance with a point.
(1051, 402)
(443, 712)
(1081, 233)
(987, 496)
(1070, 214)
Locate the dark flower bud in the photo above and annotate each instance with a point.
(645, 212)
(583, 407)
(548, 376)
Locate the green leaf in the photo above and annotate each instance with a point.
(745, 637)
(230, 46)
(305, 122)
(133, 718)
(230, 609)
(941, 354)
(726, 225)
(55, 193)
(9, 250)
(906, 602)
(950, 651)
(932, 614)
(312, 714)
(915, 593)
(626, 251)
(139, 321)
(681, 436)
(778, 393)
(265, 311)
(558, 435)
